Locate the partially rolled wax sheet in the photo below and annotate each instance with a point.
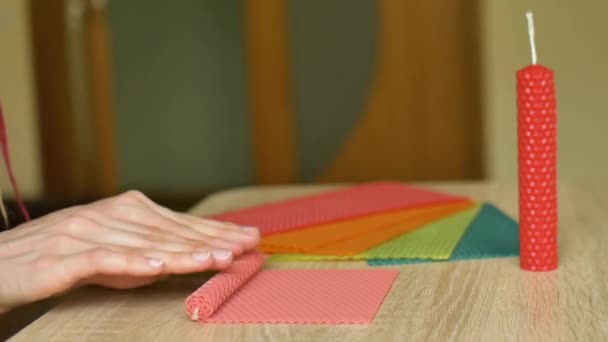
(245, 293)
(201, 304)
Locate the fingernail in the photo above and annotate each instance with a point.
(251, 230)
(155, 262)
(202, 256)
(222, 254)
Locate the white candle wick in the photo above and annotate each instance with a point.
(531, 35)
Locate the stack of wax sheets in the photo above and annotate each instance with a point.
(383, 223)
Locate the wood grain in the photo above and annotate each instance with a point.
(477, 300)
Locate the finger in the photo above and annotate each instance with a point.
(226, 231)
(222, 259)
(181, 262)
(190, 262)
(248, 236)
(178, 258)
(190, 238)
(78, 233)
(142, 216)
(85, 229)
(102, 260)
(56, 274)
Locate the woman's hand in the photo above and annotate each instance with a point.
(120, 242)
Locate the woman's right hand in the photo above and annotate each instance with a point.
(121, 242)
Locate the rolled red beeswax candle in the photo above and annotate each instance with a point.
(537, 148)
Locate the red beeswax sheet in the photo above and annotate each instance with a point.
(372, 198)
(244, 294)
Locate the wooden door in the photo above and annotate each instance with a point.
(72, 69)
(422, 118)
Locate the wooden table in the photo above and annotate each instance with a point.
(479, 300)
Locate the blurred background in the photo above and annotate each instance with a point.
(183, 98)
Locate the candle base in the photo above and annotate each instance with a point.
(539, 266)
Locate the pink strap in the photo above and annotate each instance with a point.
(7, 164)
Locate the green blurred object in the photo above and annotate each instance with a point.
(181, 95)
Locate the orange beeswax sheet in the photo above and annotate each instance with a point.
(355, 236)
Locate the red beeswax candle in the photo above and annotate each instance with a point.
(536, 121)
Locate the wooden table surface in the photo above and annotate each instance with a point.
(476, 300)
